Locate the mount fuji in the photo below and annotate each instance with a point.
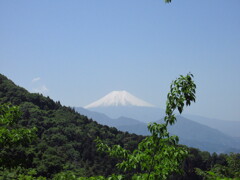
(119, 98)
(118, 104)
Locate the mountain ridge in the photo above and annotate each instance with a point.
(191, 133)
(228, 127)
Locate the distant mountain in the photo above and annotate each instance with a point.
(231, 128)
(126, 112)
(121, 103)
(119, 98)
(191, 133)
(105, 120)
(144, 114)
(194, 134)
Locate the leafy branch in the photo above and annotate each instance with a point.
(158, 155)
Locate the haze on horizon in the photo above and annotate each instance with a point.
(79, 51)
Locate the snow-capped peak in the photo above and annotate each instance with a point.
(119, 98)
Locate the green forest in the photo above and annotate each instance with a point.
(42, 139)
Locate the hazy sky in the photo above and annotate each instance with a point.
(78, 51)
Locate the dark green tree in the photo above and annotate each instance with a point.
(220, 171)
(11, 137)
(10, 133)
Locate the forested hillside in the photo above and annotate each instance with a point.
(65, 142)
(65, 139)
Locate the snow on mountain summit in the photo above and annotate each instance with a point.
(119, 98)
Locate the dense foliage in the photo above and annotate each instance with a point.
(64, 147)
(10, 135)
(231, 169)
(65, 139)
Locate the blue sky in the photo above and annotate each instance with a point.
(78, 51)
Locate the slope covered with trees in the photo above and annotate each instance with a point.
(65, 139)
